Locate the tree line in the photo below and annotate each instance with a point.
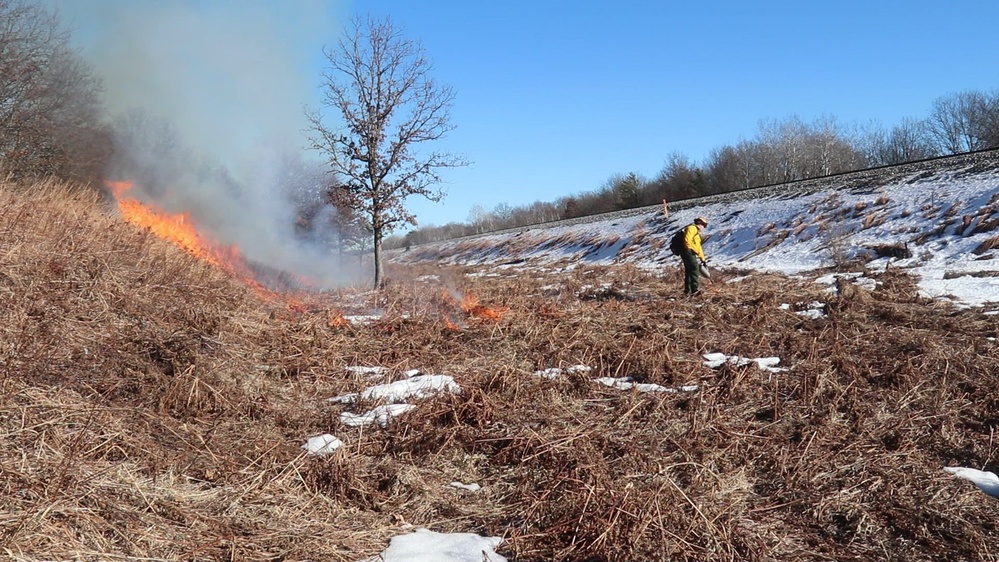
(782, 150)
(51, 116)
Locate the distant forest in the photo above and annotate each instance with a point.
(53, 124)
(782, 151)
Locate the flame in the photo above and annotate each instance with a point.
(337, 320)
(471, 305)
(177, 229)
(451, 325)
(294, 303)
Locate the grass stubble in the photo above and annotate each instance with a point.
(153, 407)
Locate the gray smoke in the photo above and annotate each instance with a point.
(209, 100)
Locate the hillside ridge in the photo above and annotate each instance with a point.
(858, 179)
(932, 218)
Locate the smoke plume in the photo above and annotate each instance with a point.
(208, 101)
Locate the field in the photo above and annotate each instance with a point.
(154, 407)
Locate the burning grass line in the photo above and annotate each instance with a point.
(858, 402)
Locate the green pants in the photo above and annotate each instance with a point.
(691, 272)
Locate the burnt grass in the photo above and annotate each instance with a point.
(154, 407)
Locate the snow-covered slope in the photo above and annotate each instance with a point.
(937, 219)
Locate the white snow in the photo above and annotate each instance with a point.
(625, 383)
(813, 310)
(417, 386)
(423, 545)
(792, 235)
(986, 481)
(381, 415)
(555, 372)
(322, 445)
(362, 319)
(715, 360)
(470, 487)
(856, 278)
(372, 372)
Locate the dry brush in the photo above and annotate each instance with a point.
(154, 407)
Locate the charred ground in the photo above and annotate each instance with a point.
(153, 407)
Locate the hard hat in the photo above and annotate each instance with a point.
(701, 220)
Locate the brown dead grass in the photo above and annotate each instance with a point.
(154, 408)
(989, 244)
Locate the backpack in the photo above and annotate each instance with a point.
(676, 243)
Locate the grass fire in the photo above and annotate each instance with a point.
(178, 229)
(155, 405)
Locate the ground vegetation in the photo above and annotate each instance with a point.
(153, 406)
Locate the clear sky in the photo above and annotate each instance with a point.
(554, 97)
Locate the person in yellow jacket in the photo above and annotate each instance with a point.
(693, 255)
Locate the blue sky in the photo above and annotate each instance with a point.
(556, 97)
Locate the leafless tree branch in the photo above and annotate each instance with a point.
(379, 83)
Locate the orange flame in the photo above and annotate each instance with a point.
(177, 228)
(337, 320)
(471, 305)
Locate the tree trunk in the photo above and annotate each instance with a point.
(377, 252)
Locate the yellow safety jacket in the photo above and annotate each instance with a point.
(692, 239)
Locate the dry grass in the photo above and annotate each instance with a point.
(154, 408)
(990, 243)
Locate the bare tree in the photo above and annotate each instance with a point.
(380, 84)
(963, 122)
(480, 219)
(350, 232)
(906, 142)
(539, 211)
(503, 214)
(989, 124)
(50, 113)
(828, 150)
(789, 149)
(149, 151)
(732, 168)
(789, 136)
